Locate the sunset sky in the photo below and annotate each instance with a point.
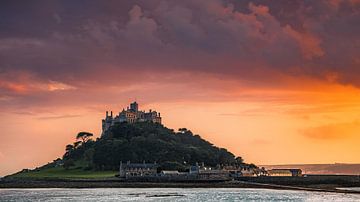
(276, 82)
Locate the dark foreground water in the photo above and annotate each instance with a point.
(171, 194)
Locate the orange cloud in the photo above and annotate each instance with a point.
(55, 85)
(25, 82)
(15, 87)
(333, 131)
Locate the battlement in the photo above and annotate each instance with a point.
(130, 115)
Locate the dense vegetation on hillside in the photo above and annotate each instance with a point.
(148, 142)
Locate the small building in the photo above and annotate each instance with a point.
(129, 170)
(194, 169)
(248, 173)
(169, 173)
(285, 172)
(207, 173)
(214, 175)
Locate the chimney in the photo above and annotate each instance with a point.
(111, 114)
(107, 113)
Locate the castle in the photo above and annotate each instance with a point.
(130, 115)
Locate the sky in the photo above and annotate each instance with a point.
(276, 82)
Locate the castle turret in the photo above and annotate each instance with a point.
(107, 122)
(134, 106)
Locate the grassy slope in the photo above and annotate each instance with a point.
(62, 173)
(76, 172)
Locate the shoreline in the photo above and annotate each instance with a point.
(89, 184)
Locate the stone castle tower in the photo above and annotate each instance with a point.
(130, 115)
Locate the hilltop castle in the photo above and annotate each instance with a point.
(130, 115)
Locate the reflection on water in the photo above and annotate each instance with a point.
(350, 188)
(171, 194)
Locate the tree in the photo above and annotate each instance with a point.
(88, 156)
(77, 144)
(182, 130)
(68, 163)
(69, 148)
(239, 160)
(84, 136)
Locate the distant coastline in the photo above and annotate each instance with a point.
(320, 169)
(324, 183)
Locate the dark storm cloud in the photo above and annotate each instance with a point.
(77, 42)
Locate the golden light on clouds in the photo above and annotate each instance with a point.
(54, 86)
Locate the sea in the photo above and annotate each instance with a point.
(170, 194)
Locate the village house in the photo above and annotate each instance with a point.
(207, 173)
(285, 172)
(137, 169)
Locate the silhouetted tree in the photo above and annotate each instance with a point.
(68, 163)
(77, 144)
(84, 136)
(239, 160)
(69, 147)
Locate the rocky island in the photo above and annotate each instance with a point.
(136, 150)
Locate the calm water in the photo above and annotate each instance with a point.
(152, 194)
